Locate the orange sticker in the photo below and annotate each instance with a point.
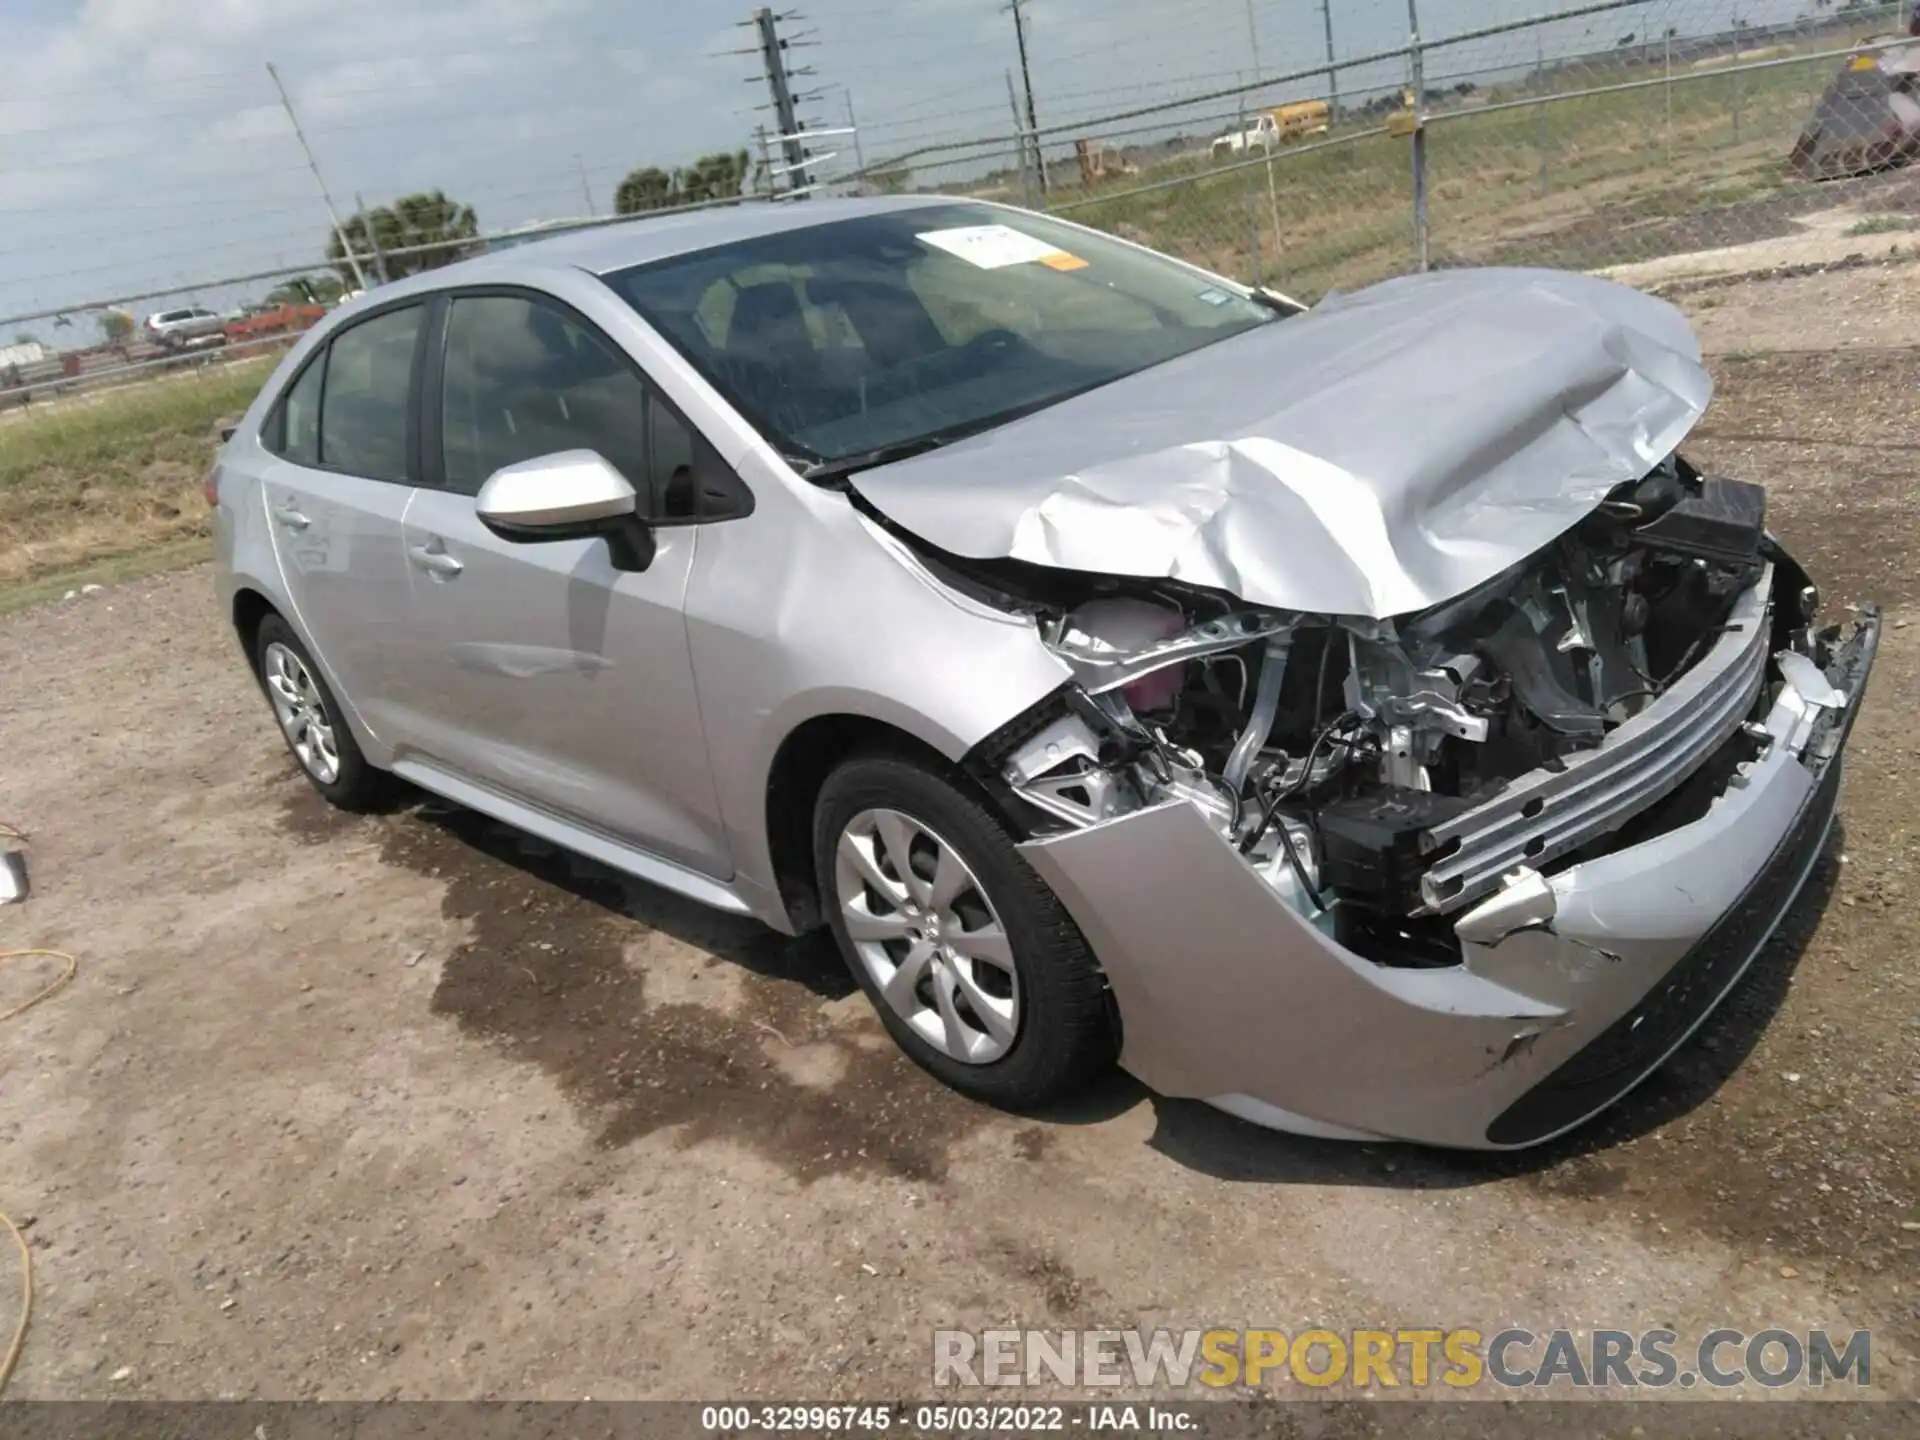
(1061, 260)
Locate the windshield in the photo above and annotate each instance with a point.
(918, 325)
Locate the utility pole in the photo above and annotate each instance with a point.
(1540, 80)
(859, 156)
(1420, 232)
(774, 60)
(1026, 80)
(586, 189)
(1333, 76)
(1253, 39)
(1021, 147)
(1668, 39)
(339, 232)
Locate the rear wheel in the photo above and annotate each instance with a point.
(310, 720)
(974, 967)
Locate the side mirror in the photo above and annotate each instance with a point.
(571, 495)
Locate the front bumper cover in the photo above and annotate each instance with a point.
(1228, 994)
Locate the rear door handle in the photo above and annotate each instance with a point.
(290, 516)
(435, 560)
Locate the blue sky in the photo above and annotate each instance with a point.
(142, 144)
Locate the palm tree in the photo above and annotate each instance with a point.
(395, 234)
(650, 188)
(719, 176)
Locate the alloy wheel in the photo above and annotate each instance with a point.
(929, 937)
(302, 713)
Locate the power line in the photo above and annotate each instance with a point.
(436, 58)
(279, 272)
(93, 210)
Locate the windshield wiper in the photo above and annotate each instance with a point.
(826, 472)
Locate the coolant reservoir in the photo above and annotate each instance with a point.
(1125, 627)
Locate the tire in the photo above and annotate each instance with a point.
(1062, 1032)
(292, 683)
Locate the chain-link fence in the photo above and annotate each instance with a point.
(1604, 133)
(198, 328)
(1680, 138)
(1608, 131)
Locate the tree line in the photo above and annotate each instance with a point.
(722, 175)
(428, 229)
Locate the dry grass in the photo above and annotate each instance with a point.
(1884, 225)
(88, 482)
(1581, 182)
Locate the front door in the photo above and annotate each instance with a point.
(545, 672)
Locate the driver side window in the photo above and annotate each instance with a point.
(522, 379)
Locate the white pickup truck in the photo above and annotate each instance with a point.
(1300, 120)
(1263, 134)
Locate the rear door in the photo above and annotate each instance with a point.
(546, 673)
(345, 453)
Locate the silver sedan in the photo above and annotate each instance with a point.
(1360, 717)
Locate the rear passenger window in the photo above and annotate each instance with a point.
(363, 417)
(297, 436)
(524, 380)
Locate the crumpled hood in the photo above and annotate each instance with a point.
(1377, 455)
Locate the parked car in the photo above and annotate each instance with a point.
(1362, 719)
(172, 329)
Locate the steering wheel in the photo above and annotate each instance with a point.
(978, 356)
(999, 342)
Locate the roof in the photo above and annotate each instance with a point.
(602, 249)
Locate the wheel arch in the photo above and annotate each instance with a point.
(805, 758)
(250, 607)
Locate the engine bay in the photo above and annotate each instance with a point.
(1335, 752)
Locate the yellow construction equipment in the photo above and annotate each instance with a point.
(1100, 161)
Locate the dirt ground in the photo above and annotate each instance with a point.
(406, 1106)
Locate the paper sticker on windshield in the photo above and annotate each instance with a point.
(993, 246)
(1211, 296)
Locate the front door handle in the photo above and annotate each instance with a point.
(434, 559)
(290, 516)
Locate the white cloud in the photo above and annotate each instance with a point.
(142, 143)
(142, 140)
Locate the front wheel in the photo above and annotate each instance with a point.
(974, 966)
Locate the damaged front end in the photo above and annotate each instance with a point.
(1462, 876)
